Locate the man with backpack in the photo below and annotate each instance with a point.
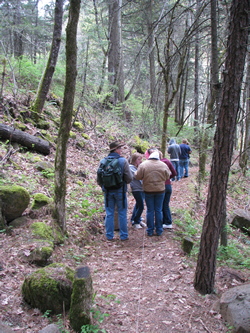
(113, 175)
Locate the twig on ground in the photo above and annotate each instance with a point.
(52, 145)
(9, 153)
(204, 326)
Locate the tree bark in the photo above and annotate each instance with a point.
(196, 72)
(246, 147)
(214, 90)
(151, 58)
(223, 146)
(18, 41)
(115, 58)
(44, 85)
(66, 113)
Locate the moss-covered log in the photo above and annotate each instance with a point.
(25, 139)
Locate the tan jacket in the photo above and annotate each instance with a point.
(154, 174)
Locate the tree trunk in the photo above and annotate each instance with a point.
(36, 37)
(151, 58)
(66, 113)
(223, 146)
(215, 90)
(246, 147)
(44, 85)
(196, 73)
(18, 41)
(115, 59)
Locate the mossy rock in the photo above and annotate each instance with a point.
(81, 300)
(100, 129)
(72, 135)
(85, 136)
(40, 200)
(49, 288)
(187, 245)
(140, 145)
(22, 127)
(35, 159)
(42, 124)
(81, 144)
(38, 252)
(44, 166)
(18, 222)
(79, 126)
(15, 199)
(46, 135)
(43, 231)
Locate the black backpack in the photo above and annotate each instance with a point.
(109, 174)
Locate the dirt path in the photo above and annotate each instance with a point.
(152, 280)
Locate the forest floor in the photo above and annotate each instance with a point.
(144, 284)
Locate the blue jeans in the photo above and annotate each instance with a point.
(154, 208)
(167, 219)
(184, 165)
(177, 168)
(139, 206)
(115, 197)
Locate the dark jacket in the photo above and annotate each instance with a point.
(126, 172)
(171, 168)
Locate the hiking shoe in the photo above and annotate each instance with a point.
(110, 239)
(137, 226)
(167, 226)
(123, 240)
(158, 234)
(143, 224)
(150, 235)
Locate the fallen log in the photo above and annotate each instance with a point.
(30, 141)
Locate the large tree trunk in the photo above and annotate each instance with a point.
(18, 38)
(223, 146)
(215, 89)
(196, 72)
(151, 58)
(44, 85)
(66, 113)
(115, 59)
(246, 147)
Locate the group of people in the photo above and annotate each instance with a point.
(150, 181)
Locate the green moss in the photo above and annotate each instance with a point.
(46, 252)
(81, 144)
(43, 231)
(72, 135)
(35, 159)
(81, 300)
(40, 200)
(43, 125)
(85, 136)
(48, 288)
(21, 127)
(15, 199)
(78, 126)
(100, 129)
(141, 145)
